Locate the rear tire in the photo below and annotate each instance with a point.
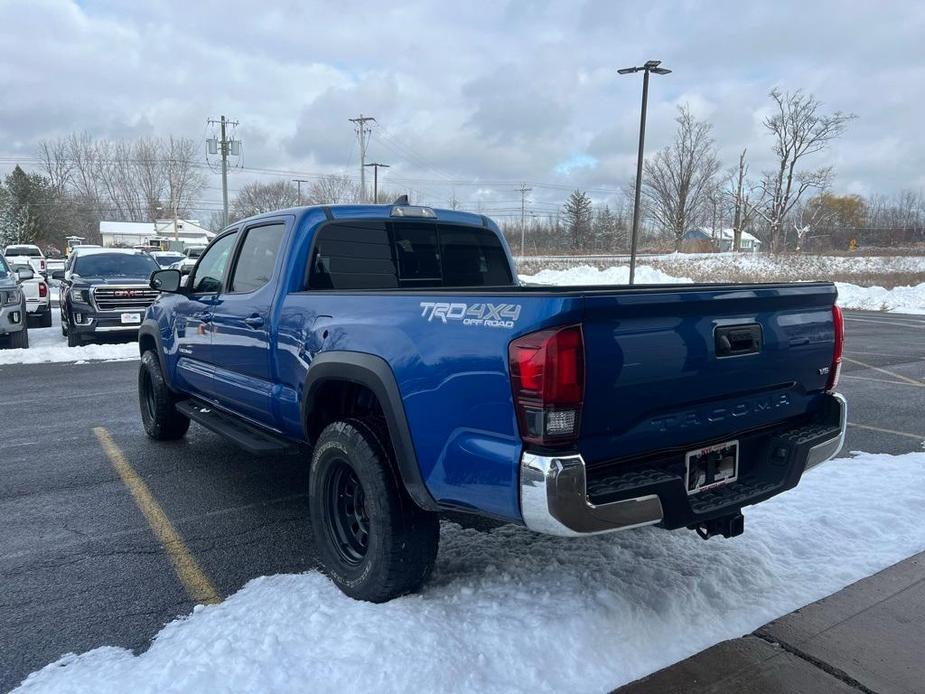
(374, 542)
(45, 320)
(159, 414)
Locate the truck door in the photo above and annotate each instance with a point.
(241, 335)
(194, 316)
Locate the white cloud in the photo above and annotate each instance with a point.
(484, 92)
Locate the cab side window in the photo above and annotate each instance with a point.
(257, 257)
(210, 272)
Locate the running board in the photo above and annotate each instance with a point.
(252, 439)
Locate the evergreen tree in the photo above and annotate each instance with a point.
(578, 215)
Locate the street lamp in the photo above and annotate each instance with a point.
(376, 166)
(649, 66)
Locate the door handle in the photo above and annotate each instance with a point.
(255, 321)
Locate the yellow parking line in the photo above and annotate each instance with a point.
(885, 371)
(917, 437)
(197, 584)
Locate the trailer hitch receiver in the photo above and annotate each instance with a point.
(727, 526)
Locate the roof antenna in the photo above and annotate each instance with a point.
(401, 200)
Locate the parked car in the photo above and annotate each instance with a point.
(14, 326)
(398, 344)
(188, 262)
(104, 291)
(26, 254)
(52, 264)
(38, 296)
(167, 258)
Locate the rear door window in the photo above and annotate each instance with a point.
(257, 257)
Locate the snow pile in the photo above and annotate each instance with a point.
(49, 345)
(511, 611)
(851, 296)
(898, 299)
(619, 274)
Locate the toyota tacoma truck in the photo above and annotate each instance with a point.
(395, 348)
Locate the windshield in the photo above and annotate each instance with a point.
(30, 251)
(4, 269)
(115, 265)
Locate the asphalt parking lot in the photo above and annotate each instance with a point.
(80, 566)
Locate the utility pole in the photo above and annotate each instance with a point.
(299, 182)
(523, 210)
(649, 66)
(224, 146)
(376, 166)
(362, 132)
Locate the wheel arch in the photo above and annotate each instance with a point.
(373, 373)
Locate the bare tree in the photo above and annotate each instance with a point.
(332, 189)
(799, 130)
(257, 197)
(742, 200)
(679, 177)
(183, 179)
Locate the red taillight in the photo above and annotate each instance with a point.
(548, 381)
(43, 289)
(835, 369)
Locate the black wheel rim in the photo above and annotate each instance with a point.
(147, 392)
(347, 518)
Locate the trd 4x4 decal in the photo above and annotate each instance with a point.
(486, 315)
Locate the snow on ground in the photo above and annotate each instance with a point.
(510, 611)
(49, 345)
(898, 299)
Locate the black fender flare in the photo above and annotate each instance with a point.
(149, 328)
(374, 373)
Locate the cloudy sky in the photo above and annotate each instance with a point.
(470, 98)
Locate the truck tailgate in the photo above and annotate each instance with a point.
(684, 367)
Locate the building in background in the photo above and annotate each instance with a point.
(161, 232)
(702, 239)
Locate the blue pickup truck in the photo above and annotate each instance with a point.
(394, 346)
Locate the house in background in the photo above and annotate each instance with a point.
(702, 239)
(129, 234)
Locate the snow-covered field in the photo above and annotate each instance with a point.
(899, 299)
(510, 611)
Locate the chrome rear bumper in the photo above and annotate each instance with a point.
(554, 491)
(554, 500)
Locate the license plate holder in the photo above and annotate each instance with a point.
(131, 319)
(711, 467)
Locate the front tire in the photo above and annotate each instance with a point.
(374, 542)
(20, 340)
(162, 421)
(73, 338)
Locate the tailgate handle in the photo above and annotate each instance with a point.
(736, 340)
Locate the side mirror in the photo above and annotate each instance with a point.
(165, 280)
(25, 274)
(57, 274)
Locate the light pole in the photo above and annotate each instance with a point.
(649, 66)
(376, 166)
